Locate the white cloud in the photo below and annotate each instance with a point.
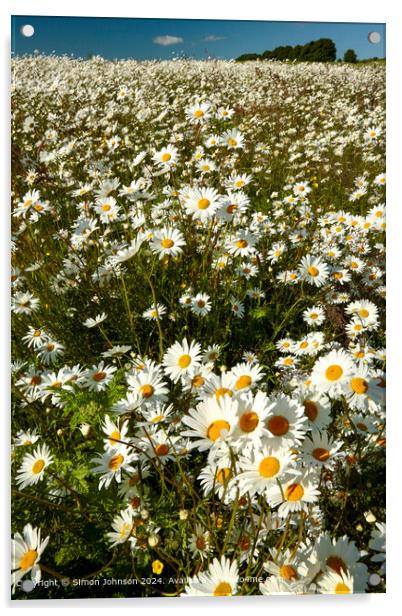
(211, 37)
(167, 40)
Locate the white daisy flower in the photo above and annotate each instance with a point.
(98, 377)
(111, 463)
(167, 242)
(211, 422)
(293, 494)
(202, 203)
(33, 467)
(331, 372)
(181, 358)
(263, 467)
(313, 270)
(26, 551)
(220, 580)
(122, 525)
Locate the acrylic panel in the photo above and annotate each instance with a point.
(198, 308)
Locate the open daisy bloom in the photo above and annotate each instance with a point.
(220, 580)
(264, 467)
(331, 373)
(33, 467)
(181, 359)
(211, 422)
(26, 551)
(293, 494)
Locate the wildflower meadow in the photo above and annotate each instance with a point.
(198, 317)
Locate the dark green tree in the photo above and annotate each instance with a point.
(350, 56)
(248, 56)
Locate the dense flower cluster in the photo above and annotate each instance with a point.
(198, 314)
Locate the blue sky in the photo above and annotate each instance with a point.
(164, 38)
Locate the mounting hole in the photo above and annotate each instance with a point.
(27, 30)
(374, 37)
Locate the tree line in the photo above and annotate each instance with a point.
(322, 50)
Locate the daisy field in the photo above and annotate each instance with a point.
(198, 327)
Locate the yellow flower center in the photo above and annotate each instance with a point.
(223, 475)
(239, 183)
(157, 419)
(203, 204)
(243, 382)
(200, 543)
(99, 376)
(294, 492)
(198, 381)
(167, 243)
(232, 141)
(333, 372)
(115, 436)
(313, 271)
(223, 589)
(287, 572)
(221, 391)
(241, 244)
(215, 429)
(310, 409)
(278, 425)
(359, 385)
(248, 421)
(106, 207)
(231, 208)
(198, 113)
(314, 316)
(342, 589)
(165, 157)
(184, 361)
(37, 333)
(200, 303)
(304, 345)
(116, 461)
(269, 467)
(363, 313)
(162, 449)
(244, 543)
(38, 466)
(125, 529)
(320, 454)
(147, 390)
(28, 560)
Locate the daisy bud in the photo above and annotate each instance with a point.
(59, 432)
(370, 517)
(183, 514)
(145, 514)
(153, 540)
